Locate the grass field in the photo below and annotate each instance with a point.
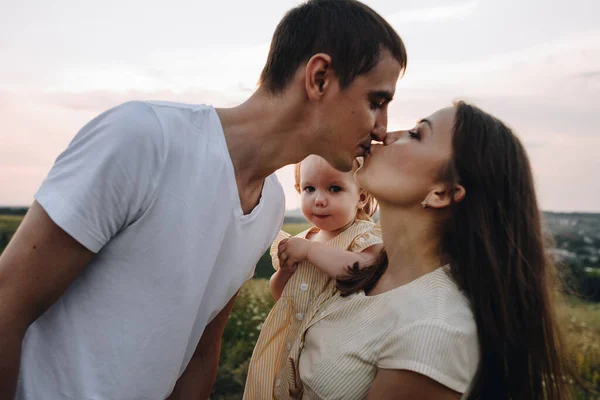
(9, 223)
(8, 226)
(580, 319)
(296, 228)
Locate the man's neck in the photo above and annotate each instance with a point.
(264, 134)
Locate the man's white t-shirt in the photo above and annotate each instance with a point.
(149, 187)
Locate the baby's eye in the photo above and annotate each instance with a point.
(309, 189)
(335, 189)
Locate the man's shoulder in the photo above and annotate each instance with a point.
(167, 113)
(164, 106)
(274, 193)
(272, 184)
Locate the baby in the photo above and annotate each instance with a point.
(306, 265)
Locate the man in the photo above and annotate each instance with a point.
(119, 282)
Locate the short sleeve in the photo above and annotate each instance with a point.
(444, 353)
(275, 259)
(366, 239)
(107, 176)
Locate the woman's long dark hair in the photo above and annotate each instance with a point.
(495, 243)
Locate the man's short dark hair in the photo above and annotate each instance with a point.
(351, 33)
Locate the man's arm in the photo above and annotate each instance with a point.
(404, 384)
(197, 380)
(36, 268)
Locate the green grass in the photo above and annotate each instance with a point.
(9, 223)
(580, 321)
(296, 228)
(582, 310)
(8, 226)
(579, 318)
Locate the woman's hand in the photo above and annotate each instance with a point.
(291, 252)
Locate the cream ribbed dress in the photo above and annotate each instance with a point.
(425, 326)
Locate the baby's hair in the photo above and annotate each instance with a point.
(364, 213)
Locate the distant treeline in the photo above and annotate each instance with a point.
(296, 218)
(13, 210)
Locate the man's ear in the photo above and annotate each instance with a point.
(443, 196)
(318, 76)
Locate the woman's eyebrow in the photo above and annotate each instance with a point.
(428, 122)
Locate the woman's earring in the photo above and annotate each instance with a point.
(424, 203)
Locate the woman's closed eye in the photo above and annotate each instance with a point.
(414, 134)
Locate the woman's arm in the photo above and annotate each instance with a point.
(334, 262)
(403, 384)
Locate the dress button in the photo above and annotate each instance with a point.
(299, 316)
(278, 382)
(304, 286)
(289, 346)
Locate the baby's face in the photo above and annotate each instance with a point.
(329, 198)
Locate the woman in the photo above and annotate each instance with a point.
(462, 300)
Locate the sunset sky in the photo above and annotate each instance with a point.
(533, 63)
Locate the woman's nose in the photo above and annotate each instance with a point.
(391, 137)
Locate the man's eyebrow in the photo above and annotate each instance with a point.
(382, 94)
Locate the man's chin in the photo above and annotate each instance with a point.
(343, 165)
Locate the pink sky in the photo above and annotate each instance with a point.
(535, 64)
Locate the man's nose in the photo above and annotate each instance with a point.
(379, 131)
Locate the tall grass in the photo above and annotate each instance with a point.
(580, 319)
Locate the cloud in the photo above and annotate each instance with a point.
(100, 100)
(227, 70)
(534, 70)
(542, 80)
(589, 74)
(433, 14)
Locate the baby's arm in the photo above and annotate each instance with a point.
(282, 272)
(280, 278)
(334, 262)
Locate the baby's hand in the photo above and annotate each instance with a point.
(291, 252)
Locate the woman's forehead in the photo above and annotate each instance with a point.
(442, 119)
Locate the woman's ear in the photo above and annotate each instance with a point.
(318, 75)
(362, 199)
(443, 196)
